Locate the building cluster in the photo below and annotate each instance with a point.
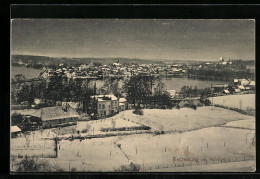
(238, 86)
(116, 70)
(67, 113)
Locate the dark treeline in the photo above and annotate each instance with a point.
(55, 61)
(141, 89)
(219, 72)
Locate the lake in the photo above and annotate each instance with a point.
(170, 83)
(27, 72)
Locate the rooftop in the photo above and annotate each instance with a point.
(57, 112)
(15, 129)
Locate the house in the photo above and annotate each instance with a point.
(226, 91)
(15, 130)
(123, 104)
(58, 115)
(104, 105)
(242, 82)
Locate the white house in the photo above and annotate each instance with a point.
(106, 105)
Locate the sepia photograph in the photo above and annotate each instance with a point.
(132, 95)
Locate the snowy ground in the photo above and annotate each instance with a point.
(90, 155)
(185, 119)
(95, 126)
(245, 101)
(248, 124)
(197, 145)
(205, 146)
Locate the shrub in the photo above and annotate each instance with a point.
(73, 169)
(158, 132)
(31, 164)
(130, 168)
(138, 112)
(193, 106)
(206, 102)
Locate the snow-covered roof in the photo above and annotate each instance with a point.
(252, 83)
(121, 100)
(57, 112)
(226, 91)
(15, 129)
(28, 112)
(101, 97)
(241, 87)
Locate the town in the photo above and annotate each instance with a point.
(65, 99)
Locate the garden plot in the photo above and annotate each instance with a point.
(184, 119)
(200, 147)
(99, 154)
(244, 102)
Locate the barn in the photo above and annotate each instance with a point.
(58, 115)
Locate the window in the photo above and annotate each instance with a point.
(103, 106)
(109, 106)
(99, 106)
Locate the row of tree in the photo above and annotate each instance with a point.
(189, 91)
(138, 89)
(142, 89)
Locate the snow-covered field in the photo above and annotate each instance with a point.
(245, 101)
(99, 154)
(214, 144)
(198, 144)
(185, 118)
(30, 147)
(248, 124)
(95, 126)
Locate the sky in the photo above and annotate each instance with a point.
(132, 38)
